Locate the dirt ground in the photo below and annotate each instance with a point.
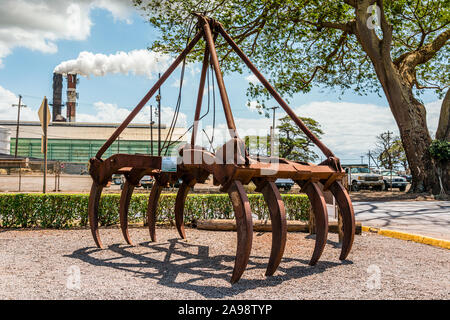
(64, 264)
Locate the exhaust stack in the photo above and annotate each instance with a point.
(71, 97)
(57, 98)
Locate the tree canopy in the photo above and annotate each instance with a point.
(399, 46)
(317, 37)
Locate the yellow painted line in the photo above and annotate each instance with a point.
(441, 243)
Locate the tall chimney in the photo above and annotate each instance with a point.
(57, 97)
(71, 97)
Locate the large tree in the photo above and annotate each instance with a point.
(399, 47)
(290, 142)
(293, 143)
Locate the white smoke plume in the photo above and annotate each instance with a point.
(138, 62)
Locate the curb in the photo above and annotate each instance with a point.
(441, 243)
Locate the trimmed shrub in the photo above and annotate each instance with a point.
(67, 210)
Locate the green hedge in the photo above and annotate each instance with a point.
(67, 210)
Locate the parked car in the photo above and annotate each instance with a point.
(397, 181)
(117, 179)
(363, 178)
(285, 184)
(146, 182)
(408, 177)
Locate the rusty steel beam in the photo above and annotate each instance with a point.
(148, 96)
(200, 95)
(220, 83)
(327, 152)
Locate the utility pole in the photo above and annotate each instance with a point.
(390, 158)
(44, 187)
(272, 133)
(158, 98)
(369, 160)
(151, 129)
(20, 105)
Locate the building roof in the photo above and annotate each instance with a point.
(91, 131)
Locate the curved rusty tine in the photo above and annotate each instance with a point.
(244, 223)
(152, 208)
(278, 218)
(132, 180)
(279, 227)
(179, 207)
(94, 200)
(125, 198)
(320, 211)
(348, 216)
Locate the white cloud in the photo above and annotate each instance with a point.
(111, 113)
(350, 128)
(38, 24)
(138, 62)
(8, 112)
(252, 79)
(433, 113)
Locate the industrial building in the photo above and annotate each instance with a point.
(76, 142)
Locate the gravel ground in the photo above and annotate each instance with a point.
(41, 264)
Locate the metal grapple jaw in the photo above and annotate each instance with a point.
(230, 166)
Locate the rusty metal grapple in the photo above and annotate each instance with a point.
(231, 167)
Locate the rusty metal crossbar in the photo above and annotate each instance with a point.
(231, 168)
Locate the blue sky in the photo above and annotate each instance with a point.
(350, 122)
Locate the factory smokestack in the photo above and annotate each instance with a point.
(71, 97)
(57, 97)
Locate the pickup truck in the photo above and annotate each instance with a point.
(397, 181)
(363, 178)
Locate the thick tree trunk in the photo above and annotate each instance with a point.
(397, 82)
(410, 116)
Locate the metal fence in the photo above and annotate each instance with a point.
(24, 175)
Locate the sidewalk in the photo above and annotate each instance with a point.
(426, 218)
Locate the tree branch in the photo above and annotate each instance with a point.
(387, 31)
(348, 27)
(429, 51)
(351, 3)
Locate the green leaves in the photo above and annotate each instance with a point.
(301, 44)
(293, 143)
(440, 150)
(63, 211)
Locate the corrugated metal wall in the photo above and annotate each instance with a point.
(73, 150)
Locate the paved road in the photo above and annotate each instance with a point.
(428, 218)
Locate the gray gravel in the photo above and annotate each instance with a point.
(40, 264)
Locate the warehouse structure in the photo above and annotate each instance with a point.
(77, 142)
